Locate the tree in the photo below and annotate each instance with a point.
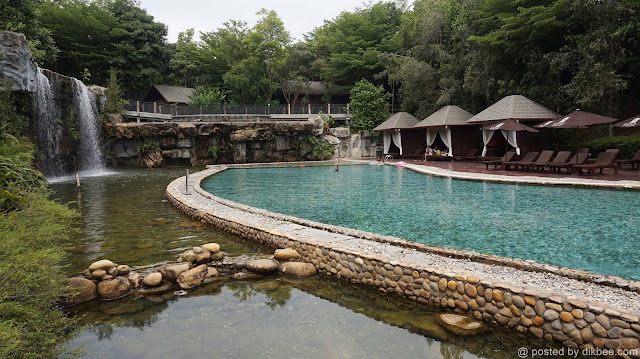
(115, 101)
(24, 16)
(207, 96)
(268, 43)
(184, 63)
(367, 106)
(350, 45)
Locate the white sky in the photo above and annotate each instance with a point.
(299, 16)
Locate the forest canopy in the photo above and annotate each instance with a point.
(564, 54)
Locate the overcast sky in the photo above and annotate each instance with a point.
(299, 16)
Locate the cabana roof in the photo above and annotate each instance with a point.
(629, 123)
(514, 107)
(400, 120)
(509, 125)
(446, 116)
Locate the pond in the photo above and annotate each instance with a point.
(583, 228)
(125, 218)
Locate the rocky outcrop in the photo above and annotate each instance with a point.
(17, 68)
(182, 143)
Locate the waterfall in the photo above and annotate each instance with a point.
(47, 129)
(90, 153)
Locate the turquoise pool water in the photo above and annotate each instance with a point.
(590, 229)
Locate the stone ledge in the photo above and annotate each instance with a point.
(494, 293)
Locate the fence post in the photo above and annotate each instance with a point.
(309, 106)
(268, 109)
(137, 106)
(246, 110)
(348, 109)
(289, 108)
(154, 107)
(224, 109)
(328, 109)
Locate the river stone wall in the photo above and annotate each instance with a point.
(189, 143)
(574, 322)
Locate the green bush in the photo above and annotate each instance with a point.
(115, 95)
(147, 147)
(31, 280)
(213, 151)
(628, 145)
(320, 149)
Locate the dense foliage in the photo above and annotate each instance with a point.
(32, 230)
(367, 106)
(561, 53)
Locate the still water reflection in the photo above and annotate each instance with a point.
(125, 218)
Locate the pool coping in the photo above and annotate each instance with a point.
(532, 180)
(328, 252)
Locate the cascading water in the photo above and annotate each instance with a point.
(90, 153)
(47, 129)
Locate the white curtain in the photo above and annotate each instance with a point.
(512, 139)
(397, 139)
(431, 135)
(386, 140)
(445, 135)
(486, 137)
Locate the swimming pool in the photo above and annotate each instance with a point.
(591, 229)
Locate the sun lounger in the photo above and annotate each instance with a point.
(561, 158)
(634, 161)
(470, 156)
(417, 154)
(577, 159)
(507, 157)
(605, 160)
(528, 157)
(545, 156)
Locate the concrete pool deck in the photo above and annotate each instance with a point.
(625, 179)
(577, 308)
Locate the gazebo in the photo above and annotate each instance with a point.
(450, 122)
(521, 109)
(392, 130)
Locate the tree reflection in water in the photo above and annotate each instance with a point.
(275, 292)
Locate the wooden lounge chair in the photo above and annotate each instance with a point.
(507, 157)
(418, 153)
(577, 159)
(605, 160)
(561, 158)
(634, 161)
(545, 156)
(470, 156)
(528, 157)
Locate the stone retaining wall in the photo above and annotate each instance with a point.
(575, 322)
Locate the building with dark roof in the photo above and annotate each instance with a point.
(169, 94)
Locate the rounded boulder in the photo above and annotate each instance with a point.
(286, 254)
(212, 247)
(262, 266)
(152, 279)
(459, 324)
(297, 268)
(114, 288)
(81, 290)
(101, 264)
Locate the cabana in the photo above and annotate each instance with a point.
(521, 109)
(392, 131)
(450, 122)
